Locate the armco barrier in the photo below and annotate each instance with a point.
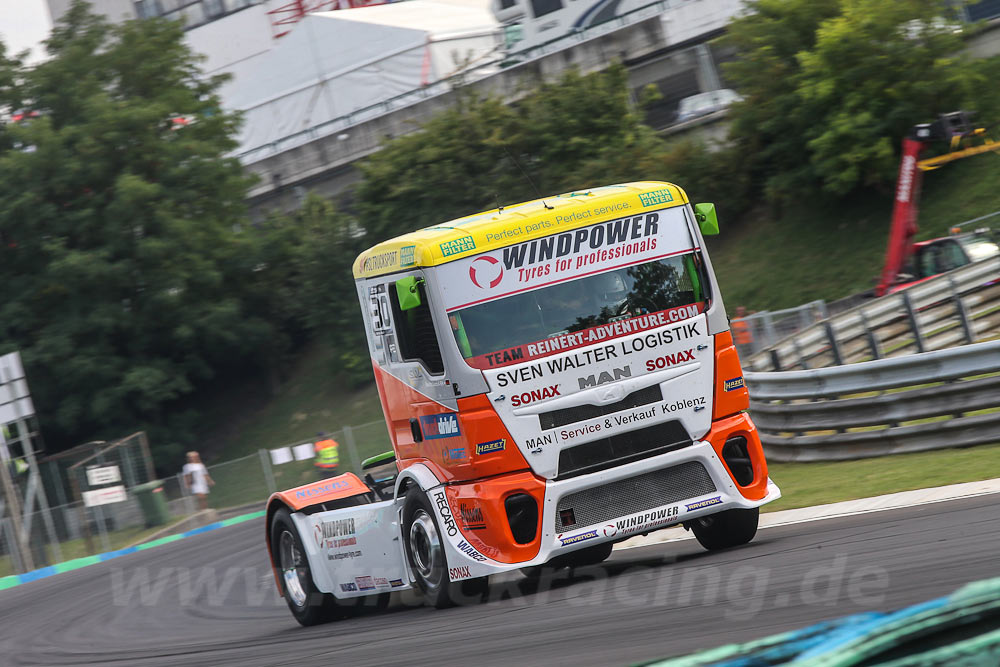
(914, 403)
(954, 308)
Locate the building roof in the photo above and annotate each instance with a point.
(497, 228)
(436, 17)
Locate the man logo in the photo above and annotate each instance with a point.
(486, 270)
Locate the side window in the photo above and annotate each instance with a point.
(415, 333)
(928, 261)
(952, 256)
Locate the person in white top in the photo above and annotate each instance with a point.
(197, 478)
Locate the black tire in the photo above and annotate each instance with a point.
(308, 605)
(590, 556)
(424, 544)
(730, 528)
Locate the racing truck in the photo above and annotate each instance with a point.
(556, 376)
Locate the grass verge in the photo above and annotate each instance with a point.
(72, 549)
(808, 484)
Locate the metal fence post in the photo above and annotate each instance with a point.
(962, 312)
(873, 345)
(914, 325)
(838, 359)
(352, 449)
(265, 464)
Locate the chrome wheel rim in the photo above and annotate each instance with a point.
(425, 546)
(294, 569)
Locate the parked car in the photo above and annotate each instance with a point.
(703, 104)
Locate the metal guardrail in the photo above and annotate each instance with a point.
(929, 400)
(957, 307)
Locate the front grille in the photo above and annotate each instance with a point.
(578, 413)
(622, 448)
(635, 494)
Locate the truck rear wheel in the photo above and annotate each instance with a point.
(424, 545)
(308, 605)
(730, 528)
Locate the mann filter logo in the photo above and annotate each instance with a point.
(406, 255)
(440, 426)
(491, 446)
(604, 377)
(656, 197)
(383, 260)
(449, 248)
(703, 503)
(735, 383)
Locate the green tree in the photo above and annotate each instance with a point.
(475, 155)
(122, 275)
(830, 88)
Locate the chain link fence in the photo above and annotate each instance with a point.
(759, 331)
(79, 524)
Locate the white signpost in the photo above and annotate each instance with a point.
(104, 475)
(105, 496)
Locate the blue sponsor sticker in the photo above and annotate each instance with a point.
(491, 446)
(349, 588)
(332, 485)
(440, 426)
(406, 255)
(395, 583)
(453, 454)
(655, 197)
(573, 539)
(449, 248)
(735, 383)
(703, 503)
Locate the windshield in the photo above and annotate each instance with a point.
(581, 312)
(979, 247)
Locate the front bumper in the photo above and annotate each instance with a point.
(632, 499)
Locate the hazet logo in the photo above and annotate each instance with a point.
(735, 383)
(491, 446)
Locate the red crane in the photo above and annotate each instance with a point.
(964, 140)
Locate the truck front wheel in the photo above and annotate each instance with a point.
(424, 544)
(730, 528)
(308, 605)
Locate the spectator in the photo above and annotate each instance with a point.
(197, 479)
(742, 335)
(327, 457)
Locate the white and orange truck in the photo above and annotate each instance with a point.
(556, 376)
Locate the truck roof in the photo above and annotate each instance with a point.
(497, 228)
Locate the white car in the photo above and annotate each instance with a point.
(703, 104)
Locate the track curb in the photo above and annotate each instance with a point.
(13, 580)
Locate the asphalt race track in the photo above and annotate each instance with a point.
(210, 599)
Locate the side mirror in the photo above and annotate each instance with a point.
(408, 293)
(707, 220)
